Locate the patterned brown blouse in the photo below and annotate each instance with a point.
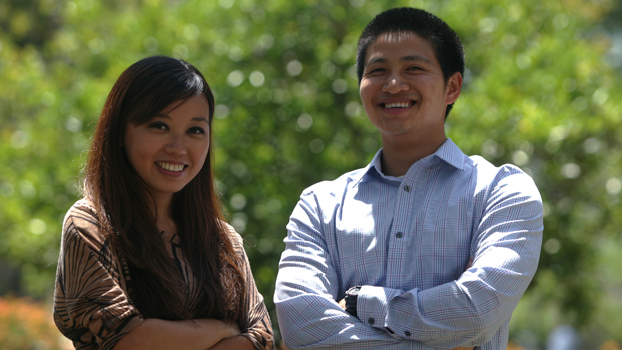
(91, 302)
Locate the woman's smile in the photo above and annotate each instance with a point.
(169, 150)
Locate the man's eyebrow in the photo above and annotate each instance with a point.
(416, 58)
(376, 60)
(405, 58)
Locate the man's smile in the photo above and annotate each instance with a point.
(397, 104)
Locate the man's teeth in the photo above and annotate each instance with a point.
(170, 167)
(397, 105)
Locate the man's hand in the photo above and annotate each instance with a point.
(342, 303)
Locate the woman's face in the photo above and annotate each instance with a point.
(169, 150)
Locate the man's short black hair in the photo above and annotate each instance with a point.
(445, 42)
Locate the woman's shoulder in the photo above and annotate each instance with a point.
(235, 237)
(82, 221)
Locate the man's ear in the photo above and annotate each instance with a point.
(454, 84)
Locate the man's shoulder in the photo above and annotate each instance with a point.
(336, 187)
(486, 168)
(506, 175)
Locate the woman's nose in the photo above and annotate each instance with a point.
(176, 145)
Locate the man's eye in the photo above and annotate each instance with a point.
(196, 130)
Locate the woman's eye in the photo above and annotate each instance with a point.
(158, 126)
(196, 130)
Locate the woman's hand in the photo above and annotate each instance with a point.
(231, 329)
(198, 334)
(234, 341)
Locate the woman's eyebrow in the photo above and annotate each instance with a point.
(197, 119)
(200, 119)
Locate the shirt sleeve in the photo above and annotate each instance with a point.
(470, 310)
(307, 288)
(259, 326)
(91, 306)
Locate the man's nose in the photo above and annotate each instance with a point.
(395, 83)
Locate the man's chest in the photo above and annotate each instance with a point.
(415, 238)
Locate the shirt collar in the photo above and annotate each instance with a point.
(448, 153)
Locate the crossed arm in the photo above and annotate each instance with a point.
(342, 304)
(92, 308)
(466, 312)
(199, 334)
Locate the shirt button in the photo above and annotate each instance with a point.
(399, 235)
(407, 333)
(371, 321)
(406, 188)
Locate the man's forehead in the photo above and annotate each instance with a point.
(397, 37)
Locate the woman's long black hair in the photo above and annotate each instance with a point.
(127, 211)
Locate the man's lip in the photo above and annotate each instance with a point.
(388, 99)
(405, 103)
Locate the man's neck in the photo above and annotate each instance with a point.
(399, 155)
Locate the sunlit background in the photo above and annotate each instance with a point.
(542, 91)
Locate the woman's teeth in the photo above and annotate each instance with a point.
(170, 167)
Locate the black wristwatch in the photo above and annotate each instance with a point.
(351, 296)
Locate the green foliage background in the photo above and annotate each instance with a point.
(541, 91)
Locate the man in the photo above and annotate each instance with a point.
(425, 247)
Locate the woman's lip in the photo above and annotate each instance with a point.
(171, 173)
(172, 167)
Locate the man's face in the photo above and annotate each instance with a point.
(403, 89)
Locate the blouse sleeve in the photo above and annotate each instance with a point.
(91, 303)
(259, 329)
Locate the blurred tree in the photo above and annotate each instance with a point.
(30, 22)
(539, 93)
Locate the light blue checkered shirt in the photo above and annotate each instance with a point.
(409, 242)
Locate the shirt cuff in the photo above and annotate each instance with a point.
(372, 307)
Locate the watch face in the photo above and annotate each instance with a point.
(354, 291)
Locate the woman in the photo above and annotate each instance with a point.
(147, 261)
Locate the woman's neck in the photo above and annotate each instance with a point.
(164, 219)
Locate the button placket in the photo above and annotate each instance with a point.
(400, 229)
